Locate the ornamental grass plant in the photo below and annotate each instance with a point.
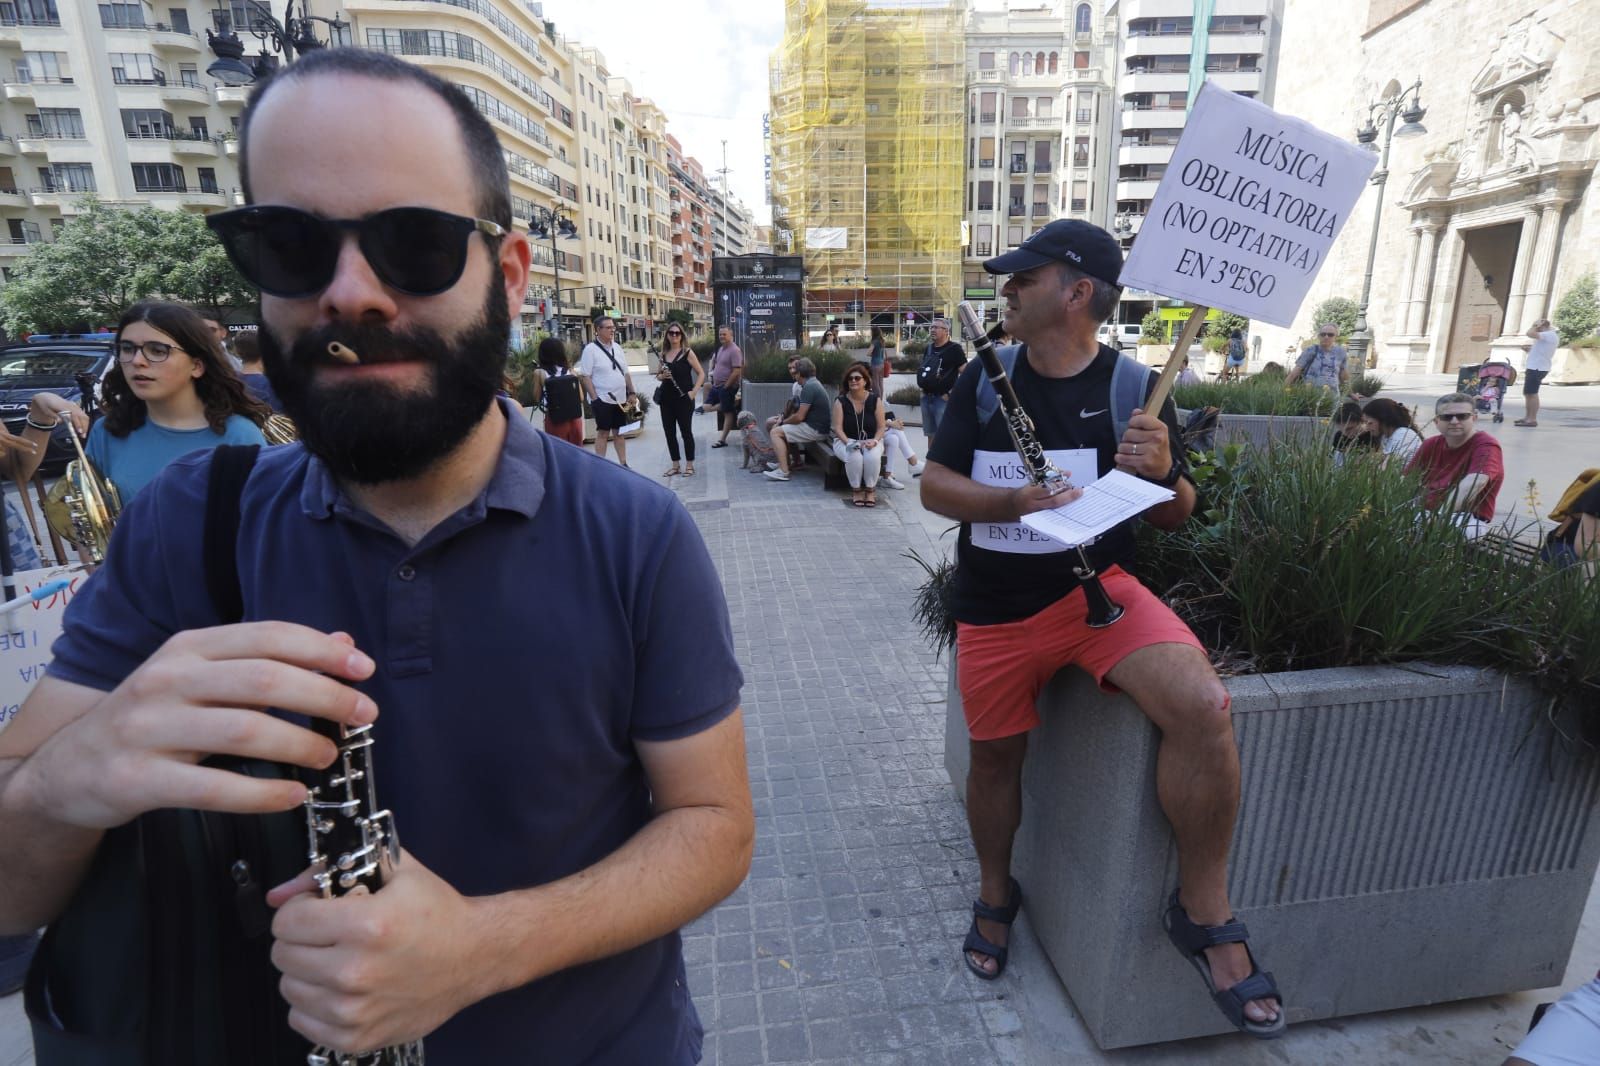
(1257, 395)
(1293, 563)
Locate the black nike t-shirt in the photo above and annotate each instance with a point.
(1004, 571)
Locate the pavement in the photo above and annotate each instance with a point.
(842, 947)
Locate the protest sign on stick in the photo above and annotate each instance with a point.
(1247, 210)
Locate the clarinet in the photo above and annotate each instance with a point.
(353, 847)
(1041, 471)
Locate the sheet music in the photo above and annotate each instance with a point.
(1113, 499)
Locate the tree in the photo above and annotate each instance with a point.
(1341, 311)
(682, 318)
(1578, 313)
(107, 259)
(1226, 322)
(1153, 329)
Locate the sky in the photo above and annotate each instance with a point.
(703, 62)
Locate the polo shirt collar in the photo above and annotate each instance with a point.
(517, 484)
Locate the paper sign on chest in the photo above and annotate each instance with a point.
(1247, 210)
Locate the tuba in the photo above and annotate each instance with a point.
(82, 507)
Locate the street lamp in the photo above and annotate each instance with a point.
(1407, 106)
(547, 224)
(291, 37)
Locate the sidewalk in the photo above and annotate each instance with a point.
(842, 947)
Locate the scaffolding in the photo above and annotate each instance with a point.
(867, 156)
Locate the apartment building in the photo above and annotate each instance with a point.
(690, 216)
(1040, 82)
(1164, 62)
(109, 100)
(732, 224)
(113, 99)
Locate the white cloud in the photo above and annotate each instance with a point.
(703, 62)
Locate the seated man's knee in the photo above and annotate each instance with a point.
(998, 758)
(1206, 710)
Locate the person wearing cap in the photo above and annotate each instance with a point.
(1021, 613)
(941, 366)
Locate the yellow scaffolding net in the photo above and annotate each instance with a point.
(867, 121)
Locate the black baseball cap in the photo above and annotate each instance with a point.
(1081, 245)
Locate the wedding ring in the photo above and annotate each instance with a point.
(1135, 449)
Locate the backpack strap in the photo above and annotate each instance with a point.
(1130, 384)
(988, 399)
(230, 469)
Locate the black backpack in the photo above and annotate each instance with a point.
(928, 373)
(563, 398)
(162, 956)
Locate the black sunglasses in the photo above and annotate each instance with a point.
(287, 252)
(1456, 418)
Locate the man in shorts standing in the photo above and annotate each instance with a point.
(1540, 355)
(727, 369)
(1021, 613)
(604, 369)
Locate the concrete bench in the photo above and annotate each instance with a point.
(832, 467)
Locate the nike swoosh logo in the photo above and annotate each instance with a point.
(1090, 414)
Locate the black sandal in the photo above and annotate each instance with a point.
(1192, 939)
(976, 941)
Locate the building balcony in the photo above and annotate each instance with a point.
(1130, 155)
(230, 94)
(15, 246)
(13, 198)
(1139, 189)
(14, 27)
(1154, 82)
(178, 93)
(32, 143)
(1237, 80)
(1039, 211)
(1157, 44)
(206, 198)
(1019, 166)
(1244, 44)
(8, 146)
(986, 77)
(164, 38)
(1034, 122)
(1152, 118)
(64, 200)
(44, 92)
(178, 142)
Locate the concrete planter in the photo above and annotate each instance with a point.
(767, 398)
(1401, 841)
(1575, 366)
(1261, 430)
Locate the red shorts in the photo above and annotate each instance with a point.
(570, 431)
(1001, 668)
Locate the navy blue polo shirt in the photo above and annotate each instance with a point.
(523, 646)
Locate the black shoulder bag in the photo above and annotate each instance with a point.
(162, 957)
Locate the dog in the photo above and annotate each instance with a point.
(758, 451)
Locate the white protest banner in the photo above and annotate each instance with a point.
(1247, 210)
(821, 238)
(27, 633)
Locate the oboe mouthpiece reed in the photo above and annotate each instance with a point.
(343, 354)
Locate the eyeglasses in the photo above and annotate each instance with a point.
(287, 252)
(1327, 334)
(154, 351)
(1462, 417)
(674, 332)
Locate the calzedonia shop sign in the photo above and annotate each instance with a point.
(976, 293)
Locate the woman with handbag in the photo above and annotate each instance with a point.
(681, 377)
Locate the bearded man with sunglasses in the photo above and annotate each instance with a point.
(557, 835)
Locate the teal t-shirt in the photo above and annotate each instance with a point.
(132, 462)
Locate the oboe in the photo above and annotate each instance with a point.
(1041, 471)
(351, 841)
(353, 847)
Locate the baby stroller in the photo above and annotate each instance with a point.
(1487, 383)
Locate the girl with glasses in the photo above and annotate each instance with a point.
(172, 392)
(681, 377)
(858, 428)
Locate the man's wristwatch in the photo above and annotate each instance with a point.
(1171, 477)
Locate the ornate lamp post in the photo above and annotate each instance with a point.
(1407, 106)
(547, 223)
(291, 37)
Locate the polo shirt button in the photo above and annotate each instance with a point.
(407, 572)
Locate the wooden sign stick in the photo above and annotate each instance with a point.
(1169, 373)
